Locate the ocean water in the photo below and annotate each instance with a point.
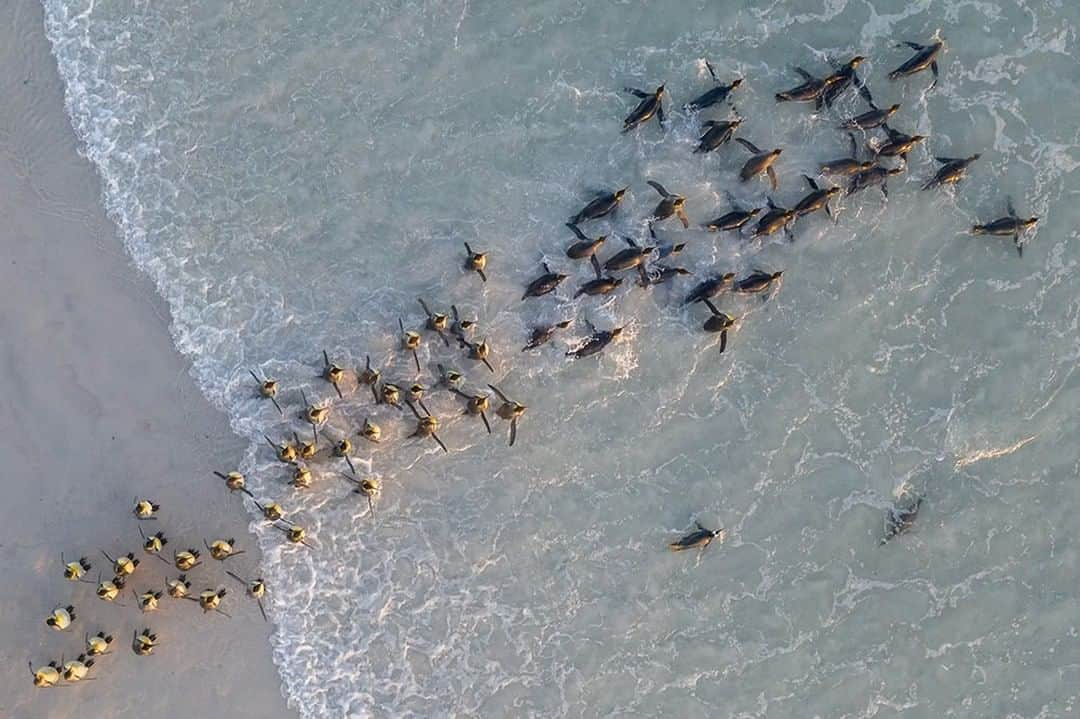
(293, 175)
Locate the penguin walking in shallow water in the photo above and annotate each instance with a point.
(734, 220)
(896, 144)
(846, 166)
(1005, 226)
(599, 286)
(776, 218)
(713, 95)
(719, 322)
(235, 482)
(818, 199)
(332, 373)
(717, 133)
(476, 405)
(267, 389)
(437, 322)
(369, 487)
(509, 410)
(426, 426)
(925, 57)
(369, 376)
(542, 335)
(709, 288)
(314, 414)
(874, 117)
(410, 342)
(652, 104)
(255, 588)
(285, 452)
(476, 262)
(844, 77)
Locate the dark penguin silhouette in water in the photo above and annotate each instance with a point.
(670, 204)
(775, 219)
(874, 117)
(876, 175)
(818, 199)
(600, 286)
(734, 220)
(596, 343)
(652, 104)
(846, 166)
(585, 247)
(714, 95)
(901, 517)
(540, 336)
(698, 539)
(812, 90)
(602, 205)
(717, 133)
(760, 162)
(844, 77)
(757, 282)
(953, 169)
(633, 256)
(709, 288)
(925, 57)
(1011, 225)
(544, 284)
(897, 144)
(719, 322)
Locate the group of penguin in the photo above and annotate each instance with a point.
(452, 329)
(62, 618)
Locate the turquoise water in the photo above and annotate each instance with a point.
(294, 175)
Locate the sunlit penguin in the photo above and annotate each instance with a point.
(284, 451)
(416, 395)
(306, 450)
(775, 219)
(600, 206)
(509, 410)
(717, 133)
(846, 166)
(437, 322)
(426, 426)
(670, 204)
(596, 343)
(698, 539)
(449, 378)
(77, 669)
(410, 341)
(295, 534)
(812, 89)
(475, 261)
(148, 600)
(952, 171)
(74, 571)
(256, 589)
(719, 322)
(758, 282)
(268, 389)
(817, 199)
(108, 590)
(709, 288)
(652, 104)
(733, 220)
(210, 600)
(301, 477)
(586, 247)
(47, 675)
(874, 117)
(124, 565)
(761, 162)
(177, 588)
(314, 414)
(343, 448)
(332, 373)
(271, 511)
(186, 559)
(368, 487)
(371, 431)
(222, 549)
(925, 57)
(391, 394)
(143, 643)
(599, 286)
(1006, 226)
(461, 327)
(476, 405)
(478, 351)
(542, 335)
(145, 509)
(153, 543)
(369, 376)
(98, 644)
(898, 144)
(61, 618)
(845, 77)
(235, 482)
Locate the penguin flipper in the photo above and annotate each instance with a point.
(439, 442)
(658, 187)
(483, 277)
(595, 264)
(723, 341)
(933, 69)
(772, 177)
(912, 45)
(277, 406)
(513, 432)
(487, 424)
(748, 145)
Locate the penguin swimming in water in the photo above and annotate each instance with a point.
(925, 57)
(760, 162)
(876, 175)
(897, 144)
(951, 172)
(632, 257)
(713, 95)
(698, 539)
(818, 199)
(256, 589)
(596, 343)
(544, 284)
(154, 543)
(709, 288)
(145, 509)
(370, 377)
(74, 571)
(332, 373)
(222, 549)
(476, 404)
(285, 452)
(478, 351)
(124, 565)
(234, 481)
(585, 247)
(670, 204)
(874, 117)
(844, 77)
(368, 487)
(542, 335)
(718, 132)
(46, 676)
(98, 644)
(143, 643)
(811, 90)
(776, 218)
(177, 588)
(658, 274)
(426, 426)
(61, 618)
(901, 518)
(601, 206)
(410, 341)
(1009, 225)
(846, 165)
(476, 261)
(652, 104)
(77, 669)
(267, 389)
(757, 282)
(437, 322)
(599, 286)
(314, 414)
(732, 221)
(509, 410)
(719, 322)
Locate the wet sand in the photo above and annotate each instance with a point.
(96, 407)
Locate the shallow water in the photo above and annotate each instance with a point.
(294, 176)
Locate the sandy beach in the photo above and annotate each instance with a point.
(96, 407)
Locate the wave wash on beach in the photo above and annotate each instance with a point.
(294, 177)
